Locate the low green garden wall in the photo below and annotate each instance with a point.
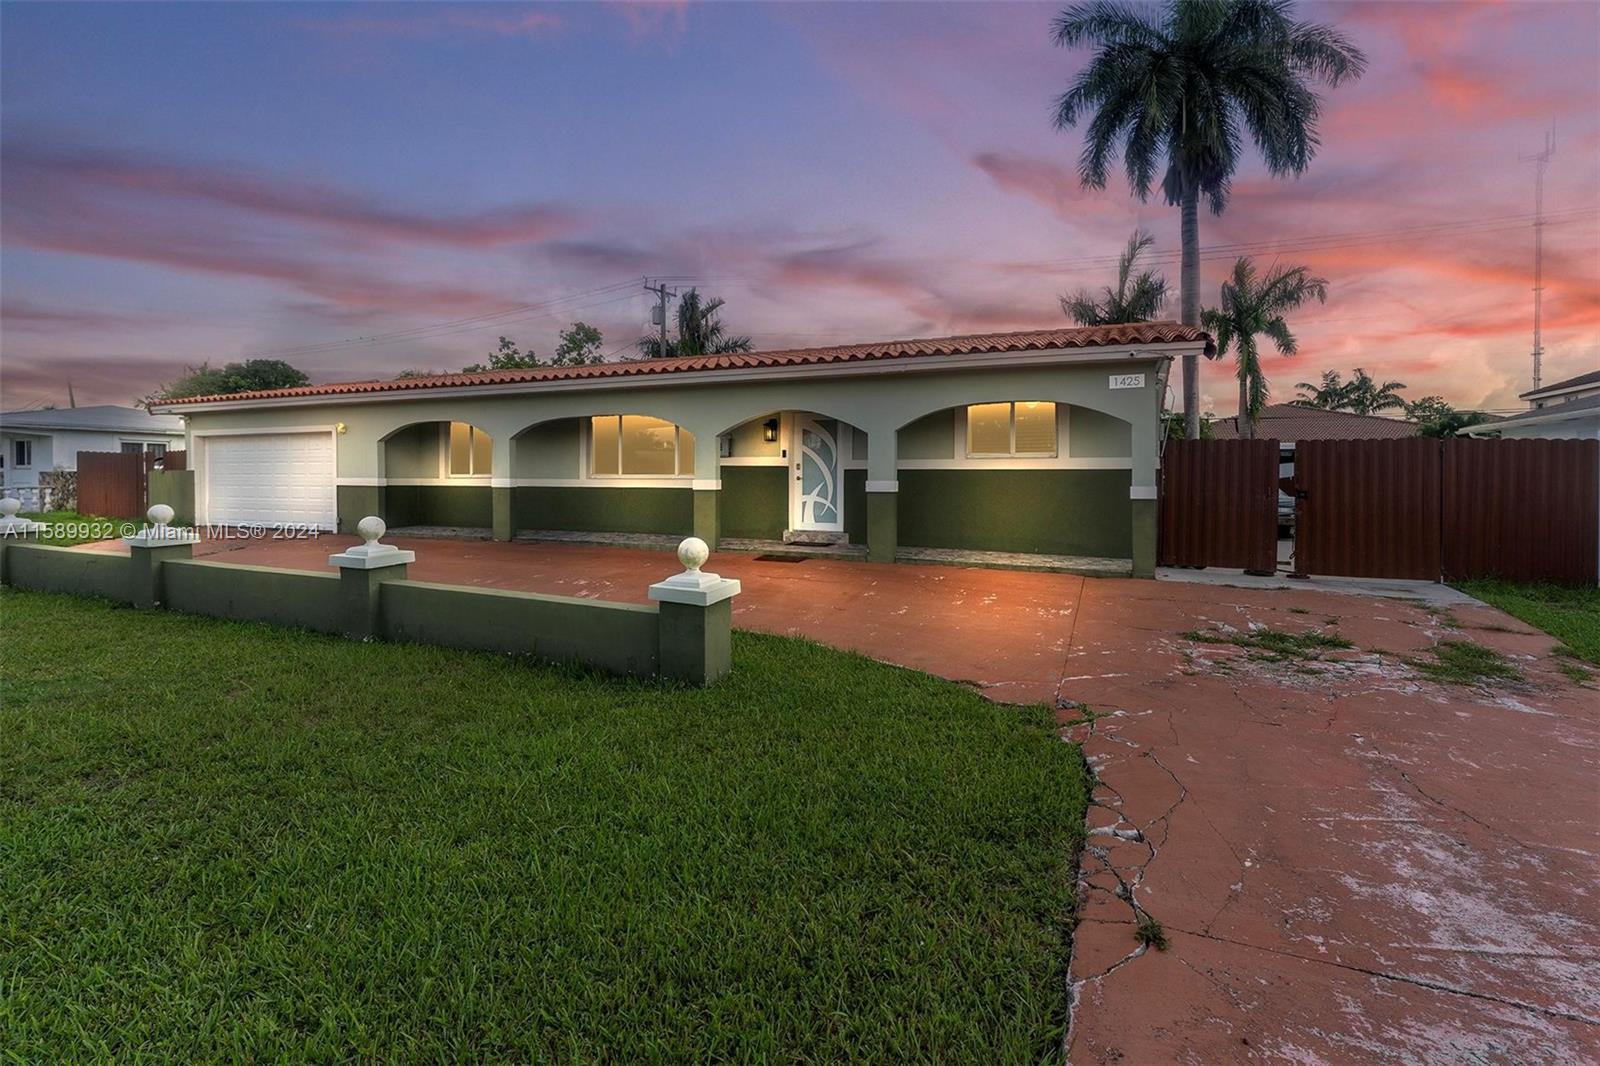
(1053, 512)
(619, 637)
(44, 568)
(687, 642)
(252, 594)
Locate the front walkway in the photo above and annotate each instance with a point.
(1348, 862)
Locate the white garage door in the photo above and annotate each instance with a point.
(270, 479)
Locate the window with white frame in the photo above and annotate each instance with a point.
(22, 453)
(1024, 428)
(639, 446)
(470, 450)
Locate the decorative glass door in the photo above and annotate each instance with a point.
(816, 494)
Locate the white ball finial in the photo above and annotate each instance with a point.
(10, 506)
(371, 528)
(693, 553)
(160, 514)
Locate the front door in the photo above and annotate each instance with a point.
(816, 497)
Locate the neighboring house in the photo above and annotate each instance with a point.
(1288, 423)
(1042, 441)
(35, 441)
(1568, 409)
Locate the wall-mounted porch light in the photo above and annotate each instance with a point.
(769, 430)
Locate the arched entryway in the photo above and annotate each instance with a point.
(437, 475)
(793, 476)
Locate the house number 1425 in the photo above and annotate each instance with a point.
(1127, 381)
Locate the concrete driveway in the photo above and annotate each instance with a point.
(1349, 862)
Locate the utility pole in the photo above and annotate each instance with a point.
(1540, 162)
(660, 316)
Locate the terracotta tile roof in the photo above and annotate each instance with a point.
(1286, 422)
(968, 344)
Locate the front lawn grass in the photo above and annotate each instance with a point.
(227, 841)
(69, 527)
(1571, 615)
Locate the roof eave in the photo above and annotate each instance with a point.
(843, 368)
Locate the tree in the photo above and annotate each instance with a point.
(1436, 418)
(1360, 395)
(1327, 396)
(578, 346)
(1365, 396)
(1177, 85)
(1253, 306)
(1137, 297)
(248, 376)
(506, 357)
(700, 331)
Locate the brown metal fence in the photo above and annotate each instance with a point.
(1219, 504)
(1523, 510)
(1368, 508)
(117, 484)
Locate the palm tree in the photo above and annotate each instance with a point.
(1361, 394)
(1137, 297)
(700, 331)
(1177, 85)
(1328, 396)
(1365, 396)
(1253, 306)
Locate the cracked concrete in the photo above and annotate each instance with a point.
(1349, 863)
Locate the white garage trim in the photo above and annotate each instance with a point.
(328, 519)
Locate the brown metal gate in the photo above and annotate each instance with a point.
(1523, 510)
(1219, 504)
(116, 484)
(1368, 508)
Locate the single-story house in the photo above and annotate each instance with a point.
(1565, 410)
(1042, 441)
(50, 439)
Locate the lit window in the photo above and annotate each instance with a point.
(639, 446)
(471, 450)
(1026, 428)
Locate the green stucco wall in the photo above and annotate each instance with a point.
(1097, 436)
(253, 593)
(747, 440)
(355, 502)
(413, 451)
(51, 569)
(755, 502)
(618, 637)
(604, 510)
(855, 506)
(175, 488)
(1057, 512)
(549, 449)
(471, 506)
(932, 437)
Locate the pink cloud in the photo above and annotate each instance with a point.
(287, 199)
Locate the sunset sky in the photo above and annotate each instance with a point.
(193, 182)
